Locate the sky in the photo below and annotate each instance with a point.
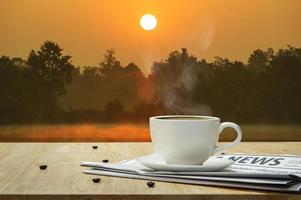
(207, 28)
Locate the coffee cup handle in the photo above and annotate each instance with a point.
(235, 142)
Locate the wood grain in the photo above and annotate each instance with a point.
(21, 178)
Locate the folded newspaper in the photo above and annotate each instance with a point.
(280, 173)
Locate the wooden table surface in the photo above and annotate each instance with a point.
(21, 178)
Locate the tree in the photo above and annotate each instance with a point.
(232, 94)
(259, 60)
(91, 72)
(113, 111)
(283, 86)
(15, 90)
(122, 82)
(52, 71)
(110, 66)
(267, 89)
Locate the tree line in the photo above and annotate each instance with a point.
(47, 88)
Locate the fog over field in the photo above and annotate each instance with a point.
(131, 132)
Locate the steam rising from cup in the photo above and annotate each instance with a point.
(178, 84)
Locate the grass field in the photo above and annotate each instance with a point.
(132, 132)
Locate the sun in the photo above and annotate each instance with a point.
(148, 22)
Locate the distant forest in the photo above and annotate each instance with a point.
(47, 88)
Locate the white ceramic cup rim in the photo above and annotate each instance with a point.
(168, 118)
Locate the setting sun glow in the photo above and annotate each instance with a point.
(148, 22)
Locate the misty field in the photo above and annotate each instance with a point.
(131, 132)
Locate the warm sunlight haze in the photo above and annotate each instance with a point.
(208, 28)
(148, 22)
(121, 61)
(97, 93)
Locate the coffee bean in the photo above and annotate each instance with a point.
(150, 184)
(43, 167)
(105, 160)
(94, 147)
(96, 180)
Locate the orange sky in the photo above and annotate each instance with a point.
(208, 28)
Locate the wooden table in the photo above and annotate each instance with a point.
(21, 178)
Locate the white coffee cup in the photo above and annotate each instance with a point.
(189, 139)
